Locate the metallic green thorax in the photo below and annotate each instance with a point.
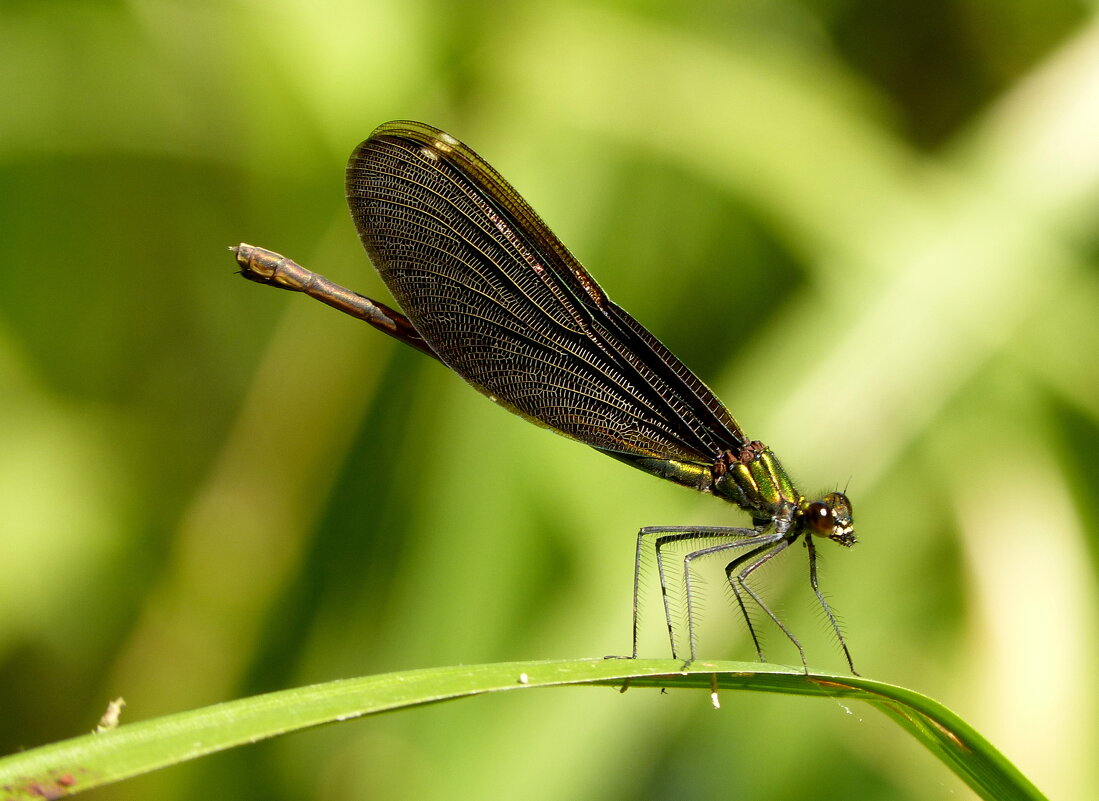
(754, 479)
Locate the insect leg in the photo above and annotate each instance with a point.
(745, 538)
(824, 604)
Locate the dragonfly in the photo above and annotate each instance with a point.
(486, 288)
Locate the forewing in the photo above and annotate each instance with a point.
(506, 306)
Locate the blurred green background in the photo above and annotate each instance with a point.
(870, 227)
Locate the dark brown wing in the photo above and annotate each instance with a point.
(506, 306)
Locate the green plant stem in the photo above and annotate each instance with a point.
(97, 759)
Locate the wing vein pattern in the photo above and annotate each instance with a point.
(506, 306)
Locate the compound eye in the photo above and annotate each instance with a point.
(819, 518)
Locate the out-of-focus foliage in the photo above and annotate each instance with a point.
(870, 227)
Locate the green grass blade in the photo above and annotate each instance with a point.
(94, 760)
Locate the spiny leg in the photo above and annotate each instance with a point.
(658, 555)
(742, 579)
(638, 551)
(663, 536)
(652, 531)
(636, 587)
(748, 621)
(740, 598)
(824, 603)
(758, 543)
(668, 535)
(655, 532)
